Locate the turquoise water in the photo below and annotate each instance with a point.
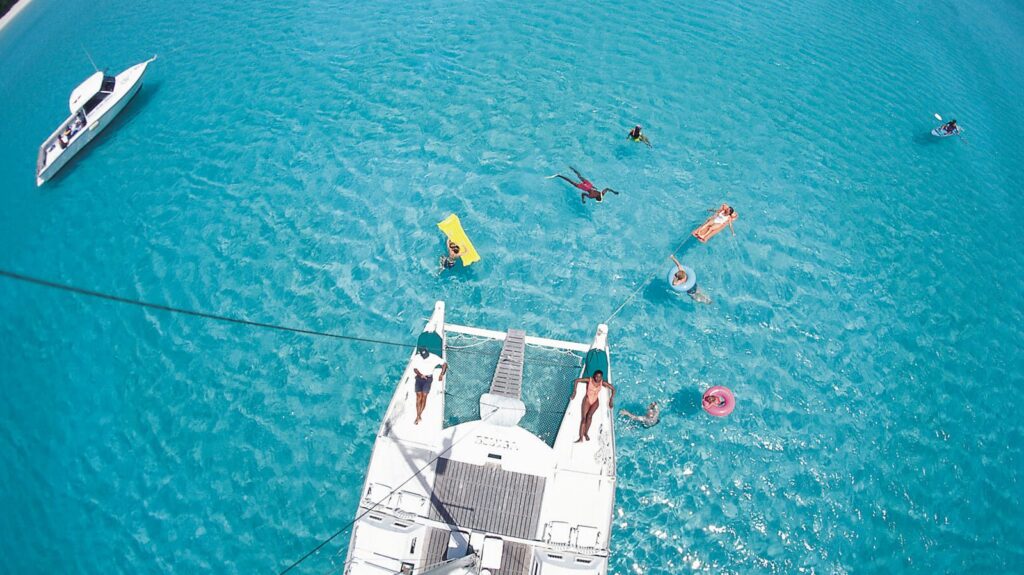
(287, 162)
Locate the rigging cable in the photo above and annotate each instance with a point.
(205, 315)
(378, 502)
(644, 283)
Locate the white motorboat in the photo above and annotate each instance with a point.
(487, 496)
(93, 104)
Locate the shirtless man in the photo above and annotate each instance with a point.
(590, 400)
(589, 190)
(652, 417)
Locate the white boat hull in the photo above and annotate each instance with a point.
(486, 494)
(52, 158)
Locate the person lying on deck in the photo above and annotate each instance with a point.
(590, 400)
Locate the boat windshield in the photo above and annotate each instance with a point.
(105, 89)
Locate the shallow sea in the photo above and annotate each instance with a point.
(287, 162)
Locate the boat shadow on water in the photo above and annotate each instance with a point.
(139, 103)
(926, 139)
(686, 402)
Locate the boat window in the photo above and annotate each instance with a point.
(108, 84)
(94, 101)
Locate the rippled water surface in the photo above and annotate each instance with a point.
(287, 162)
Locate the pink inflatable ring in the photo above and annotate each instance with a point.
(726, 404)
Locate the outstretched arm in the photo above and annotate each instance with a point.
(606, 190)
(576, 382)
(444, 370)
(630, 415)
(611, 399)
(678, 265)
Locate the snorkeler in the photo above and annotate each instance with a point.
(651, 418)
(950, 127)
(454, 253)
(724, 216)
(589, 191)
(590, 400)
(637, 134)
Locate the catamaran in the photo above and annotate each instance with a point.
(93, 104)
(486, 496)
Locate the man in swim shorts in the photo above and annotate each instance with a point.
(423, 369)
(651, 418)
(637, 134)
(589, 190)
(590, 400)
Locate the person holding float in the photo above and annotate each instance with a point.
(682, 279)
(722, 217)
(459, 246)
(718, 401)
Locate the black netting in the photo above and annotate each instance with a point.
(547, 382)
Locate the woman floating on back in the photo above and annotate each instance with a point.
(716, 223)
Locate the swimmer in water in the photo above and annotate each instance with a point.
(724, 216)
(712, 400)
(680, 278)
(637, 134)
(448, 261)
(589, 191)
(651, 418)
(590, 400)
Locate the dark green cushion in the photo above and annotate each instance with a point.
(431, 341)
(597, 359)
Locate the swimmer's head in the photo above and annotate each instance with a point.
(729, 210)
(424, 353)
(455, 248)
(599, 375)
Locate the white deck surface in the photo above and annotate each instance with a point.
(496, 480)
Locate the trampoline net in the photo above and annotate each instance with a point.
(547, 382)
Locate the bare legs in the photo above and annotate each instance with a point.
(421, 404)
(586, 416)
